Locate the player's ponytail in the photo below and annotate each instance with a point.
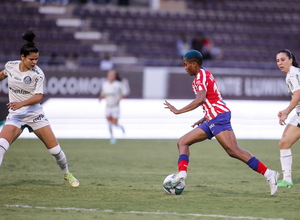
(290, 55)
(30, 46)
(295, 63)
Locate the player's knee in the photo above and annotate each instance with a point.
(283, 144)
(182, 145)
(232, 153)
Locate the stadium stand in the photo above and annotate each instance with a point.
(249, 33)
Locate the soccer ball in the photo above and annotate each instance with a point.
(177, 190)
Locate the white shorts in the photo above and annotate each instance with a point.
(32, 118)
(113, 111)
(295, 120)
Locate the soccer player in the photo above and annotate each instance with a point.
(25, 84)
(216, 123)
(113, 90)
(287, 63)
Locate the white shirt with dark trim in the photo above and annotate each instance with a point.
(23, 85)
(293, 82)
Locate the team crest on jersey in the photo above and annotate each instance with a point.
(27, 80)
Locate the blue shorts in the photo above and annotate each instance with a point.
(217, 124)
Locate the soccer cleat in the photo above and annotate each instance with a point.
(71, 180)
(283, 183)
(178, 178)
(273, 182)
(113, 141)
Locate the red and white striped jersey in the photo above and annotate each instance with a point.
(213, 105)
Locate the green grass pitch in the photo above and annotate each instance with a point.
(124, 181)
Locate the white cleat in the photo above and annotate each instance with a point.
(272, 181)
(178, 178)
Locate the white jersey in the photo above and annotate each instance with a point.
(23, 85)
(113, 92)
(293, 82)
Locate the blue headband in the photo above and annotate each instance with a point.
(192, 54)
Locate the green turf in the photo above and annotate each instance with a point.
(125, 177)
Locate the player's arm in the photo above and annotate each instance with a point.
(2, 76)
(282, 115)
(199, 122)
(37, 98)
(199, 100)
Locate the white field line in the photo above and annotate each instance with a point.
(139, 212)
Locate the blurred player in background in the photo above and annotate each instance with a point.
(25, 83)
(114, 89)
(287, 63)
(215, 123)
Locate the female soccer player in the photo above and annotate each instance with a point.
(216, 122)
(25, 84)
(287, 63)
(113, 91)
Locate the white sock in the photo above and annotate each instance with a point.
(60, 158)
(110, 128)
(4, 145)
(286, 160)
(268, 174)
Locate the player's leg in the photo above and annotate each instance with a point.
(46, 135)
(115, 122)
(194, 136)
(228, 141)
(115, 118)
(290, 135)
(109, 113)
(110, 129)
(8, 135)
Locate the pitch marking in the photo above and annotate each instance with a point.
(138, 212)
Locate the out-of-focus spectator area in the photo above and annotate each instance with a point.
(139, 33)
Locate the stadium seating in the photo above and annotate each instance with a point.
(249, 33)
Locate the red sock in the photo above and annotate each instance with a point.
(183, 165)
(261, 168)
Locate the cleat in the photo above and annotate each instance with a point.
(283, 183)
(71, 180)
(272, 181)
(113, 141)
(178, 178)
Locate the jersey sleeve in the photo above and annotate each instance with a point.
(295, 79)
(125, 87)
(39, 82)
(5, 69)
(200, 82)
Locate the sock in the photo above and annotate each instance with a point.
(60, 158)
(4, 145)
(256, 165)
(183, 162)
(110, 128)
(286, 160)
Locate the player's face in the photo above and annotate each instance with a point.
(283, 62)
(190, 67)
(29, 61)
(111, 76)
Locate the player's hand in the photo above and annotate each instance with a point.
(171, 107)
(14, 105)
(282, 115)
(199, 122)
